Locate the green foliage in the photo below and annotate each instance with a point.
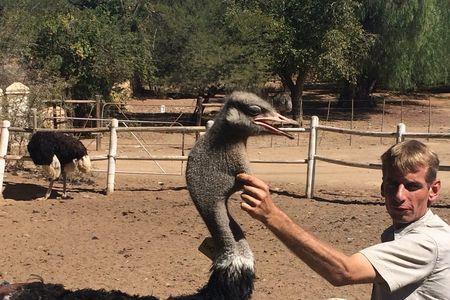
(321, 37)
(91, 45)
(198, 47)
(85, 47)
(74, 47)
(413, 42)
(307, 38)
(345, 46)
(18, 23)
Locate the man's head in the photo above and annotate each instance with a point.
(409, 180)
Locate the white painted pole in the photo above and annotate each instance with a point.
(310, 174)
(112, 156)
(401, 129)
(3, 151)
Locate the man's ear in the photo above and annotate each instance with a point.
(434, 190)
(382, 189)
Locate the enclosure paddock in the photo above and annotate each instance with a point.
(143, 238)
(111, 157)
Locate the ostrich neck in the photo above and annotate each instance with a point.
(224, 134)
(213, 163)
(227, 234)
(212, 167)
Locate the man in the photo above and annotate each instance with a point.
(413, 260)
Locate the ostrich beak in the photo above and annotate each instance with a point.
(276, 118)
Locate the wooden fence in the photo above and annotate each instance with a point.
(310, 160)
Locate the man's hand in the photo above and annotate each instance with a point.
(257, 201)
(333, 265)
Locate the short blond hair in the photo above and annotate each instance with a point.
(409, 156)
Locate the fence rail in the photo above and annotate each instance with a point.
(400, 135)
(427, 135)
(114, 128)
(341, 162)
(66, 130)
(356, 132)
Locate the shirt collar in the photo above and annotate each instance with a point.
(401, 232)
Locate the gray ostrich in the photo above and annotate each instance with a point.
(213, 163)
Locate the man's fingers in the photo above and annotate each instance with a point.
(252, 180)
(250, 200)
(246, 207)
(254, 192)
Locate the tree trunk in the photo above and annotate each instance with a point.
(296, 89)
(360, 93)
(136, 85)
(346, 94)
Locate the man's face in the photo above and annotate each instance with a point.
(408, 196)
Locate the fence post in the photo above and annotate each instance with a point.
(54, 115)
(98, 116)
(310, 174)
(112, 156)
(198, 114)
(401, 129)
(4, 138)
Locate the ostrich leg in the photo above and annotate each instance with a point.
(64, 195)
(48, 192)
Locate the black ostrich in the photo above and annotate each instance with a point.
(214, 161)
(58, 153)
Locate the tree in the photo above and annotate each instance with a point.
(18, 21)
(83, 47)
(198, 49)
(305, 38)
(412, 46)
(91, 48)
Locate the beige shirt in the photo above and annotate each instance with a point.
(413, 262)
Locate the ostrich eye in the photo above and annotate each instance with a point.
(254, 110)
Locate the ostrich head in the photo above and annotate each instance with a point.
(246, 114)
(213, 163)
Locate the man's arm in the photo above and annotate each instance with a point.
(333, 265)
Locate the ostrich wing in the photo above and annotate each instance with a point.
(41, 149)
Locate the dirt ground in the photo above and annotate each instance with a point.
(143, 238)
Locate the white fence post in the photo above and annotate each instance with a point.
(112, 156)
(401, 129)
(310, 174)
(3, 151)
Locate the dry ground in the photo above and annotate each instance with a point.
(143, 238)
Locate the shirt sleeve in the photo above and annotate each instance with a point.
(403, 261)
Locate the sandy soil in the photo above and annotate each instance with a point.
(143, 238)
